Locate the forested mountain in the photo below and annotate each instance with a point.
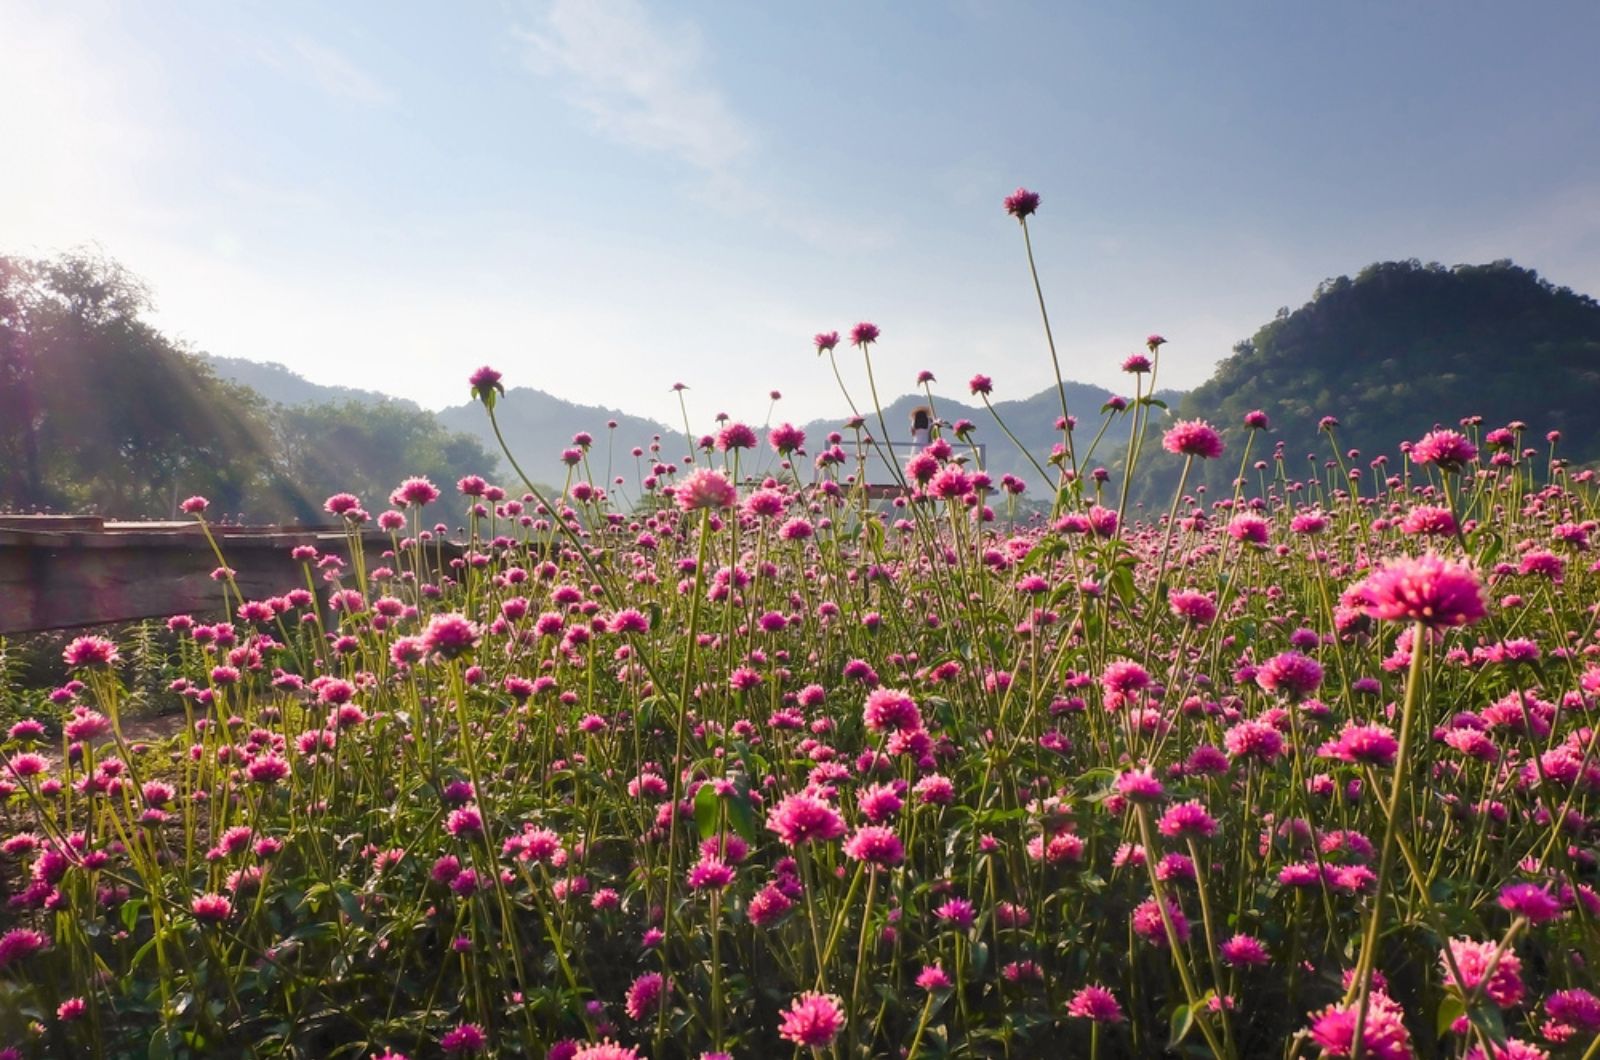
(1403, 347)
(282, 386)
(100, 412)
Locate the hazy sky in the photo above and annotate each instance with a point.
(604, 198)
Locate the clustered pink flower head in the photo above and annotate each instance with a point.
(1450, 450)
(812, 1021)
(450, 635)
(194, 505)
(1371, 745)
(786, 438)
(1022, 203)
(486, 385)
(800, 818)
(981, 384)
(1296, 676)
(86, 652)
(825, 341)
(418, 491)
(1256, 420)
(1429, 589)
(864, 334)
(1095, 1002)
(1193, 438)
(736, 436)
(705, 488)
(1154, 342)
(1383, 1036)
(1474, 959)
(1529, 900)
(1136, 364)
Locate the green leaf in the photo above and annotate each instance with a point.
(705, 811)
(742, 816)
(1153, 401)
(1451, 1009)
(1180, 1025)
(129, 913)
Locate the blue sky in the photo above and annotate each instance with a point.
(605, 198)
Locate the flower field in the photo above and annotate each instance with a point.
(749, 765)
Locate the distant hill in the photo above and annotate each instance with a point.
(282, 386)
(1404, 347)
(538, 426)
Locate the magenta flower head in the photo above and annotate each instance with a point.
(1193, 438)
(825, 341)
(467, 1038)
(1370, 744)
(1095, 1002)
(450, 634)
(1256, 420)
(786, 438)
(801, 818)
(1383, 1036)
(1136, 364)
(417, 491)
(1431, 590)
(705, 488)
(1154, 342)
(981, 384)
(211, 908)
(486, 386)
(1022, 203)
(1529, 900)
(1449, 449)
(194, 505)
(736, 436)
(812, 1020)
(1293, 674)
(90, 652)
(864, 334)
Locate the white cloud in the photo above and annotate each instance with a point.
(638, 80)
(328, 69)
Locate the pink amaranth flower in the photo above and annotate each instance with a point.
(1095, 1002)
(21, 943)
(1193, 438)
(1187, 820)
(467, 1038)
(735, 436)
(1504, 987)
(1429, 589)
(1383, 1035)
(1575, 1008)
(1293, 674)
(1148, 924)
(1428, 521)
(786, 438)
(863, 334)
(825, 341)
(1195, 607)
(71, 1009)
(1253, 738)
(1140, 785)
(934, 977)
(1136, 364)
(645, 996)
(194, 505)
(485, 381)
(606, 1049)
(981, 384)
(211, 908)
(267, 770)
(1531, 901)
(1256, 420)
(801, 818)
(890, 710)
(414, 491)
(85, 652)
(1243, 951)
(957, 913)
(450, 635)
(1249, 528)
(875, 845)
(710, 874)
(1022, 203)
(813, 1020)
(705, 488)
(1371, 744)
(1449, 449)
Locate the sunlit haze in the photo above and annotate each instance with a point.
(605, 198)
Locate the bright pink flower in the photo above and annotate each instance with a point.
(86, 652)
(1022, 203)
(1293, 674)
(467, 1038)
(1243, 951)
(1370, 744)
(705, 488)
(1187, 820)
(802, 818)
(864, 333)
(1193, 438)
(890, 710)
(1531, 901)
(211, 908)
(1148, 925)
(1430, 590)
(645, 996)
(875, 845)
(1383, 1035)
(812, 1021)
(1449, 449)
(1095, 1002)
(1504, 987)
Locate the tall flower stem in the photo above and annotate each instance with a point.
(1362, 982)
(1055, 363)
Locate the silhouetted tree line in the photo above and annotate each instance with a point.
(100, 412)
